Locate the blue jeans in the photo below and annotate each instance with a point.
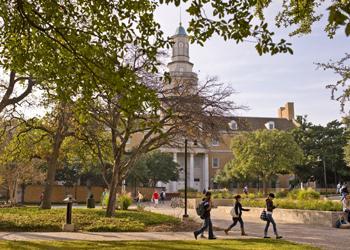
(207, 224)
(272, 221)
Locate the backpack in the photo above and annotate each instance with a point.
(200, 209)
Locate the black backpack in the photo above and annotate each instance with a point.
(200, 209)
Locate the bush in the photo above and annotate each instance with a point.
(124, 201)
(304, 194)
(189, 189)
(308, 194)
(281, 194)
(320, 205)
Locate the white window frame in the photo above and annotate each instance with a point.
(215, 142)
(218, 162)
(233, 125)
(270, 125)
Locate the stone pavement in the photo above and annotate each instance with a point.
(323, 237)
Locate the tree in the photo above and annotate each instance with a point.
(340, 90)
(154, 167)
(52, 130)
(154, 110)
(324, 143)
(8, 89)
(18, 165)
(264, 154)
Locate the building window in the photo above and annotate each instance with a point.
(233, 125)
(181, 48)
(270, 125)
(215, 142)
(216, 163)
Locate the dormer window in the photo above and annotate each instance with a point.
(233, 125)
(270, 125)
(215, 142)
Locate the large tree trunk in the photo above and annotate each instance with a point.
(52, 163)
(113, 191)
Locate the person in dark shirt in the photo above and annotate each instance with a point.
(206, 217)
(269, 210)
(237, 215)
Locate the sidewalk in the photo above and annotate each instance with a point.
(97, 236)
(323, 237)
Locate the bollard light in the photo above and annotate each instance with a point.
(68, 226)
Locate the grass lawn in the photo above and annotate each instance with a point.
(249, 244)
(93, 220)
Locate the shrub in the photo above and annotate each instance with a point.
(304, 194)
(189, 189)
(250, 196)
(320, 205)
(308, 194)
(124, 201)
(281, 194)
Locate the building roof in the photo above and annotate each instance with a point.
(180, 31)
(255, 123)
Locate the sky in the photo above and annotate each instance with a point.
(265, 83)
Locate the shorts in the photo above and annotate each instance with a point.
(155, 201)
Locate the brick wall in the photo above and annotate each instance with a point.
(32, 193)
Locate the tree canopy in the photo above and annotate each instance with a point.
(264, 154)
(321, 143)
(154, 167)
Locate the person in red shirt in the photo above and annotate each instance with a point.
(155, 198)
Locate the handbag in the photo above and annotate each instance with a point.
(263, 215)
(233, 213)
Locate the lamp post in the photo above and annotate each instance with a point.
(324, 172)
(185, 215)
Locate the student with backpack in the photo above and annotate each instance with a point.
(269, 219)
(203, 210)
(236, 214)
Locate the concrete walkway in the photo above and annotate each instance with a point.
(97, 236)
(323, 237)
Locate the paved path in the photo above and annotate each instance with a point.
(97, 236)
(323, 237)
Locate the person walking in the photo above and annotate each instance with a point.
(162, 197)
(104, 198)
(344, 191)
(236, 213)
(139, 198)
(269, 210)
(41, 199)
(338, 188)
(245, 190)
(155, 198)
(207, 205)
